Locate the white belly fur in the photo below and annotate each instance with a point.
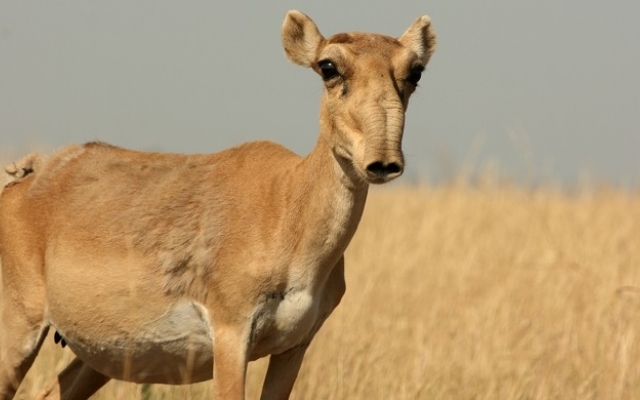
(174, 348)
(177, 346)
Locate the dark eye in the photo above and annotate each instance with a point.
(415, 75)
(327, 69)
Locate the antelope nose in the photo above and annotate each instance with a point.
(382, 172)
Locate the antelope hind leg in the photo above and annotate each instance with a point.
(77, 381)
(21, 334)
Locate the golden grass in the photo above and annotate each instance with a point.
(469, 292)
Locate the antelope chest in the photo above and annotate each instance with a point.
(284, 320)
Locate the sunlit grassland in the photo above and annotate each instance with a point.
(460, 291)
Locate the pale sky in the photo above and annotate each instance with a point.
(547, 89)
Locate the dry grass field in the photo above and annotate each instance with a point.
(461, 291)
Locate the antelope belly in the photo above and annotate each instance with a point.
(175, 348)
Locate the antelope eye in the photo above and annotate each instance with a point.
(327, 69)
(415, 75)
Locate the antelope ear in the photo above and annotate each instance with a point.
(300, 38)
(421, 38)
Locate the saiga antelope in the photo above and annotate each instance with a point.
(151, 266)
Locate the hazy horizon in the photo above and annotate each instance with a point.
(547, 91)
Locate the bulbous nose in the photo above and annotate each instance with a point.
(380, 172)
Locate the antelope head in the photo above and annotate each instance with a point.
(368, 80)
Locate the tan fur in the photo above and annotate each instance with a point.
(152, 265)
(24, 166)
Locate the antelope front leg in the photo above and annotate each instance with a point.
(229, 363)
(282, 373)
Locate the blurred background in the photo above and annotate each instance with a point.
(541, 91)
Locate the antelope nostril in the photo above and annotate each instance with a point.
(393, 168)
(380, 168)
